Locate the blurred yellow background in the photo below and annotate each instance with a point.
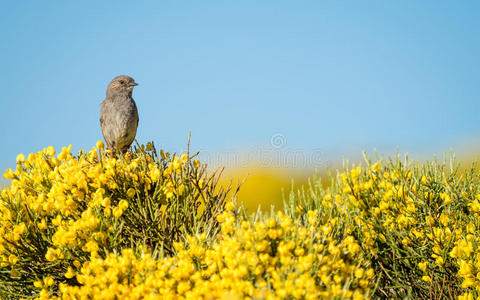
(264, 186)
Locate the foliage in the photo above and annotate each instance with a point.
(63, 210)
(269, 259)
(418, 223)
(149, 227)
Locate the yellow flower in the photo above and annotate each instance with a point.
(423, 265)
(299, 251)
(466, 296)
(107, 212)
(131, 192)
(42, 225)
(117, 212)
(475, 205)
(338, 199)
(12, 259)
(48, 281)
(196, 164)
(447, 200)
(169, 189)
(106, 202)
(426, 278)
(77, 264)
(468, 282)
(20, 158)
(123, 204)
(181, 189)
(359, 273)
(354, 173)
(439, 261)
(70, 273)
(465, 269)
(38, 284)
(424, 179)
(154, 174)
(9, 174)
(50, 151)
(454, 252)
(57, 221)
(370, 273)
(20, 228)
(100, 146)
(176, 165)
(51, 254)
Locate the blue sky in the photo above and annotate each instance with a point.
(334, 76)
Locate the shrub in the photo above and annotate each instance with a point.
(64, 210)
(418, 223)
(151, 227)
(268, 258)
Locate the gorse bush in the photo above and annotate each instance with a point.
(63, 210)
(157, 227)
(418, 224)
(276, 258)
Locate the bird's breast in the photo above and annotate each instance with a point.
(121, 117)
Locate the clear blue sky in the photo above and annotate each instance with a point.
(332, 75)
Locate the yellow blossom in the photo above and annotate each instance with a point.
(20, 158)
(426, 278)
(376, 166)
(100, 146)
(423, 266)
(9, 174)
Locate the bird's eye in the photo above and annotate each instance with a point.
(122, 82)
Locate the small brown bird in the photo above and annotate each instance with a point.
(119, 115)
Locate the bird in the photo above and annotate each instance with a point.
(119, 115)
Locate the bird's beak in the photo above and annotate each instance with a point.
(133, 84)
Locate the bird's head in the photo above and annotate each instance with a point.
(121, 85)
